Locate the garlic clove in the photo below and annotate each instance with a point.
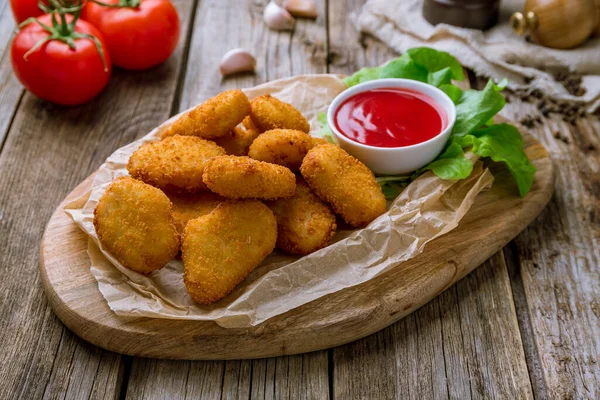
(278, 18)
(301, 8)
(237, 60)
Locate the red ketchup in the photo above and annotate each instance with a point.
(390, 117)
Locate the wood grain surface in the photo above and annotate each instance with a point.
(40, 358)
(558, 261)
(10, 88)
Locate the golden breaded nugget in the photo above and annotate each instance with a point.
(237, 142)
(317, 141)
(134, 223)
(214, 118)
(304, 223)
(268, 113)
(189, 206)
(285, 147)
(345, 183)
(175, 163)
(221, 248)
(244, 178)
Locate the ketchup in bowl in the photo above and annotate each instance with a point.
(390, 117)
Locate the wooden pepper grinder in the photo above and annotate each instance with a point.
(560, 24)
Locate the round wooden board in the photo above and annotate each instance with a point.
(496, 217)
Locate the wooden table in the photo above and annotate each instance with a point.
(525, 324)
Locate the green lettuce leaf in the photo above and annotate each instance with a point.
(434, 60)
(451, 164)
(325, 132)
(404, 67)
(454, 92)
(503, 143)
(443, 77)
(476, 107)
(364, 75)
(391, 186)
(421, 64)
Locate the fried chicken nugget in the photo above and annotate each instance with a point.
(268, 113)
(304, 223)
(134, 223)
(214, 118)
(345, 183)
(317, 141)
(221, 248)
(189, 206)
(244, 178)
(237, 142)
(175, 163)
(285, 147)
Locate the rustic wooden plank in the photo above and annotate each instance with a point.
(350, 50)
(303, 376)
(10, 88)
(457, 346)
(558, 257)
(448, 348)
(49, 149)
(160, 379)
(278, 54)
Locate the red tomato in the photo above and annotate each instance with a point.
(23, 9)
(55, 72)
(138, 37)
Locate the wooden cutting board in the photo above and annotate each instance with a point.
(496, 217)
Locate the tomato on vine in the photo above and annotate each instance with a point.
(59, 57)
(140, 33)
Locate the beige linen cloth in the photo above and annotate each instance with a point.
(497, 53)
(428, 208)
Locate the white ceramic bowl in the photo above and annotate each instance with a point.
(395, 160)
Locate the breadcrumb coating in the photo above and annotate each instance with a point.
(134, 223)
(244, 178)
(304, 223)
(285, 147)
(214, 118)
(190, 206)
(268, 113)
(237, 142)
(221, 248)
(175, 163)
(345, 183)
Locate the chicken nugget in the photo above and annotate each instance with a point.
(175, 163)
(304, 223)
(237, 142)
(134, 223)
(189, 206)
(214, 118)
(221, 248)
(268, 113)
(317, 141)
(285, 147)
(244, 178)
(345, 183)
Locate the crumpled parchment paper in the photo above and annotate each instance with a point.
(428, 208)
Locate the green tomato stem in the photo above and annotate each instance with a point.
(61, 30)
(120, 4)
